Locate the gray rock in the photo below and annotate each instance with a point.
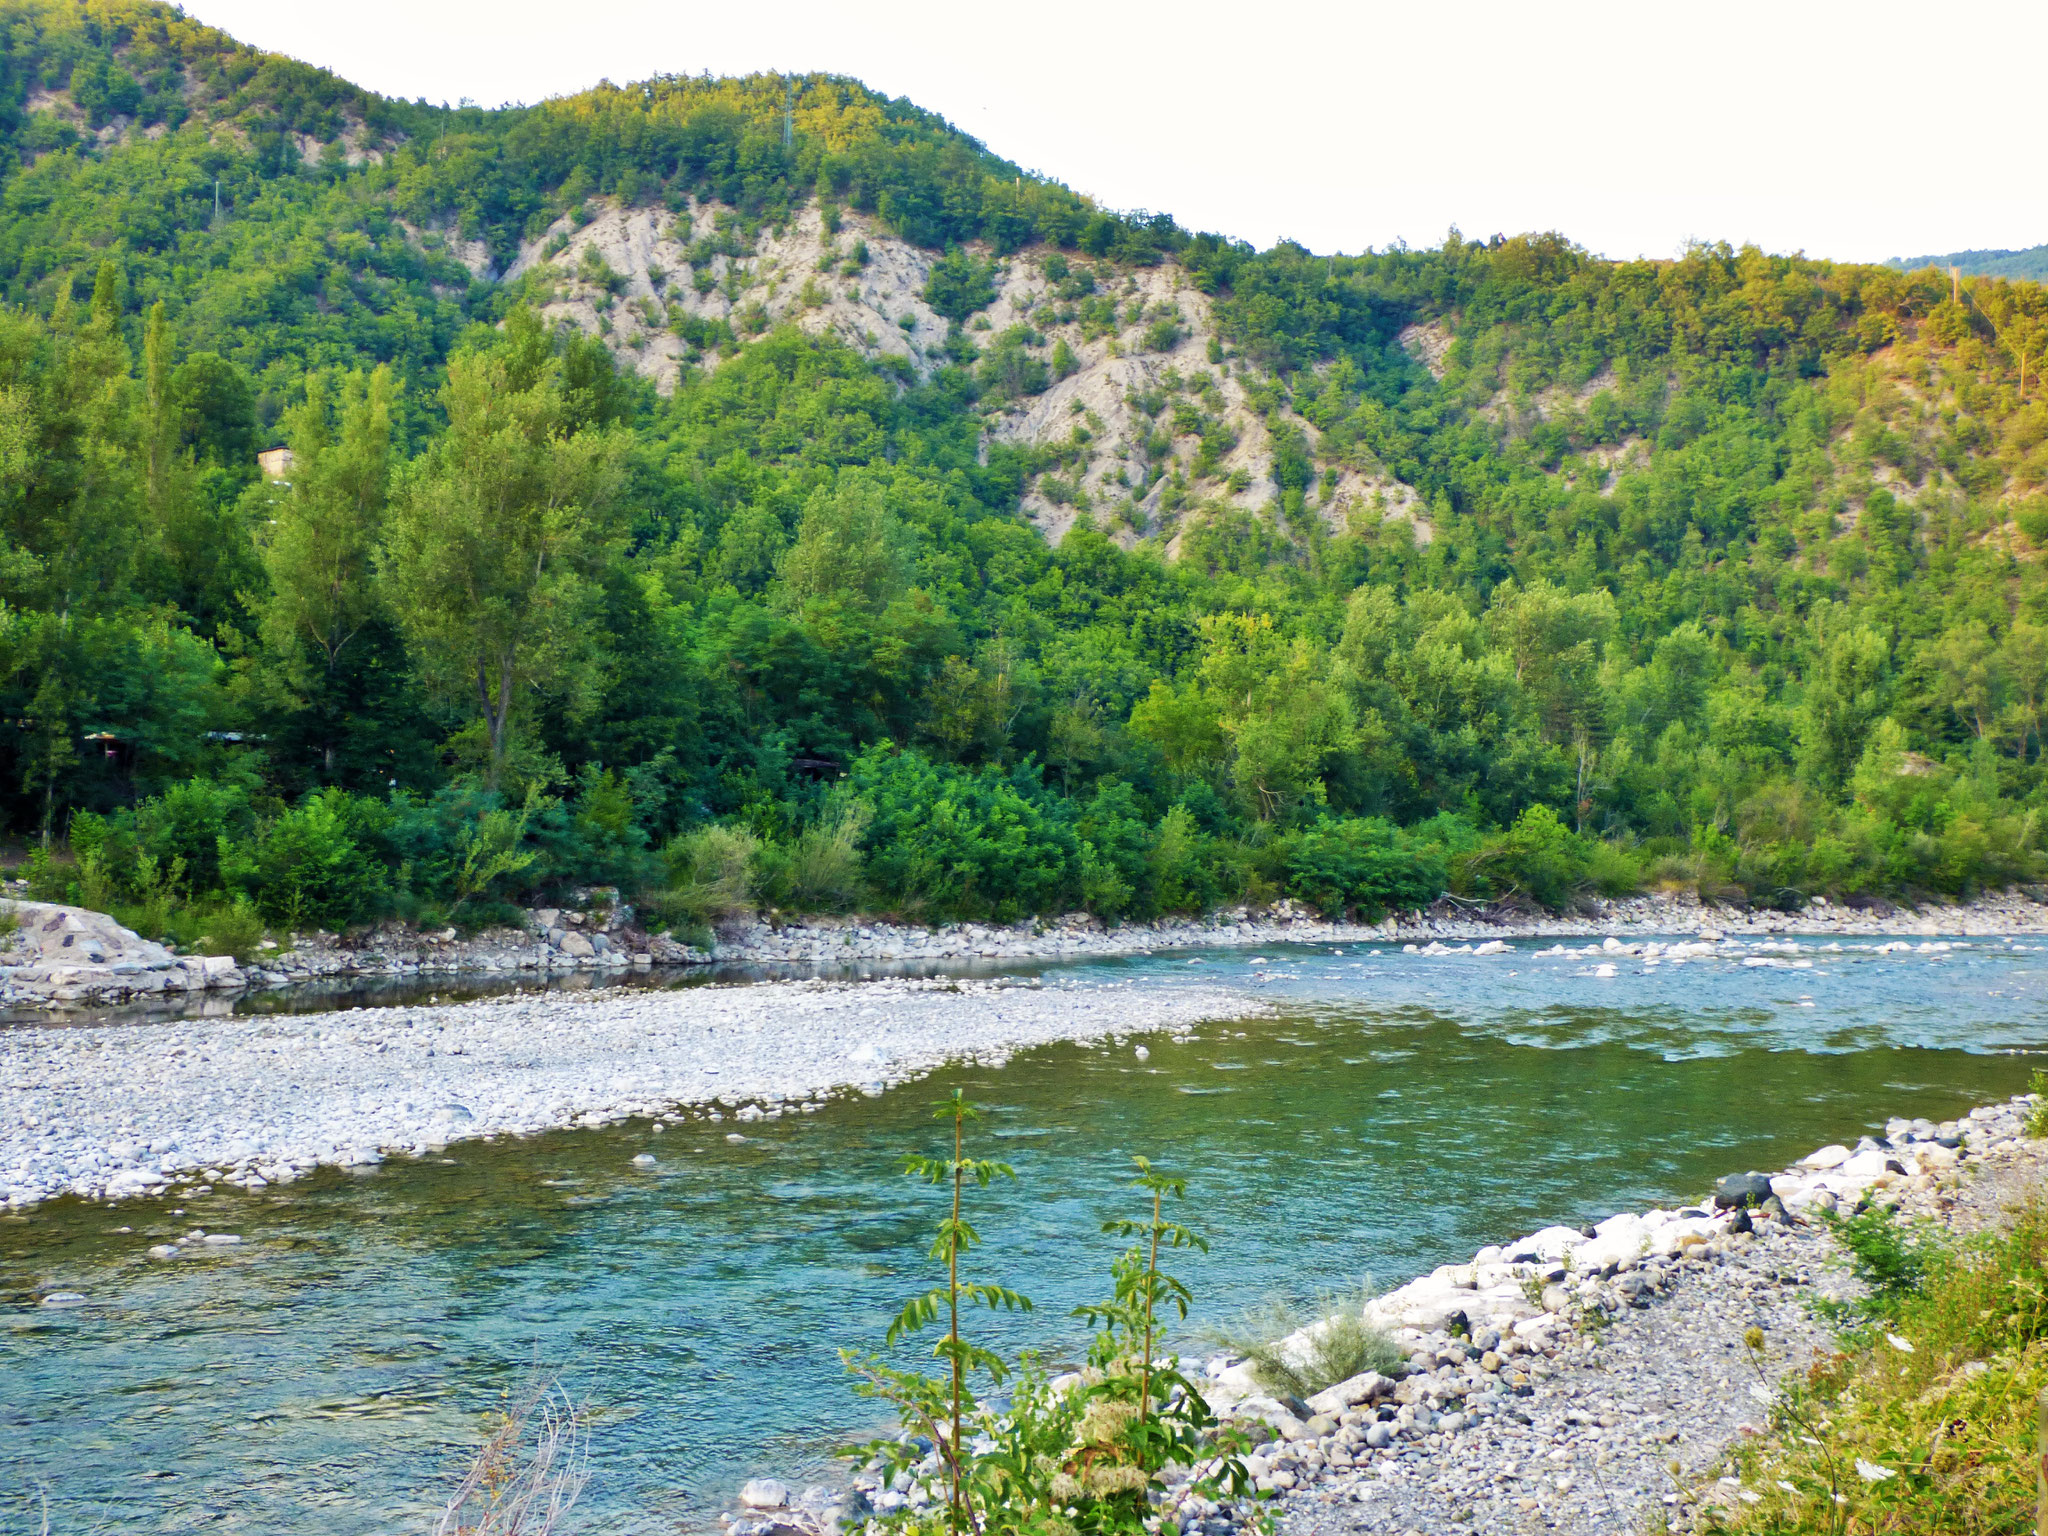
(765, 1493)
(1742, 1189)
(576, 946)
(1366, 1387)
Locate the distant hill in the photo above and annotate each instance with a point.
(2031, 263)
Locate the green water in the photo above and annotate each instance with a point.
(1396, 1113)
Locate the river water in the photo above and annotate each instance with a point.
(1398, 1111)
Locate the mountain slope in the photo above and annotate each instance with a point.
(764, 472)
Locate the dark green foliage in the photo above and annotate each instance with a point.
(1363, 864)
(959, 285)
(309, 865)
(959, 841)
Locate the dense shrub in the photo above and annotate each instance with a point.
(953, 841)
(1362, 863)
(306, 867)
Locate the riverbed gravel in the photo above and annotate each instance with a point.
(1621, 1421)
(119, 1110)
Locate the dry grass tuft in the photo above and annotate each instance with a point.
(528, 1474)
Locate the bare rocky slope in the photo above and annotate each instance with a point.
(1138, 381)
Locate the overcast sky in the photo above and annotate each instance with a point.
(1857, 131)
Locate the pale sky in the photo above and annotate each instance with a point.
(1857, 131)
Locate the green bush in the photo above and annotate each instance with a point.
(1009, 372)
(1179, 873)
(187, 822)
(1340, 863)
(710, 876)
(959, 285)
(216, 927)
(962, 843)
(305, 867)
(819, 870)
(1538, 859)
(1889, 1258)
(47, 879)
(1163, 335)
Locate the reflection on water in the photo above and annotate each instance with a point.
(1396, 1112)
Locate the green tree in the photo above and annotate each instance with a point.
(850, 549)
(320, 550)
(498, 536)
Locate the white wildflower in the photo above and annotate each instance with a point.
(1871, 1472)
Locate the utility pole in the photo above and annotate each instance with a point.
(788, 115)
(1955, 284)
(216, 199)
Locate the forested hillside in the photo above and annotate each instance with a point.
(2031, 263)
(754, 491)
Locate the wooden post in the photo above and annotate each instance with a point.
(2041, 1470)
(1955, 284)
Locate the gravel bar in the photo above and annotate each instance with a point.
(115, 1111)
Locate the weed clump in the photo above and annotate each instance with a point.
(1084, 1451)
(1296, 1350)
(1925, 1420)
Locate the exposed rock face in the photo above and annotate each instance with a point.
(1126, 422)
(68, 957)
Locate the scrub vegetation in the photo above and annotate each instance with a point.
(1927, 1419)
(1085, 1452)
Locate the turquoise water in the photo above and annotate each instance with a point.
(1397, 1112)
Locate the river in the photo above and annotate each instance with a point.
(1397, 1111)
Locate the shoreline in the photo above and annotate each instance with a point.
(1628, 1382)
(78, 960)
(1579, 1380)
(120, 1108)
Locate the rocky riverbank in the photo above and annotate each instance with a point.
(1618, 1376)
(88, 960)
(1580, 1380)
(823, 941)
